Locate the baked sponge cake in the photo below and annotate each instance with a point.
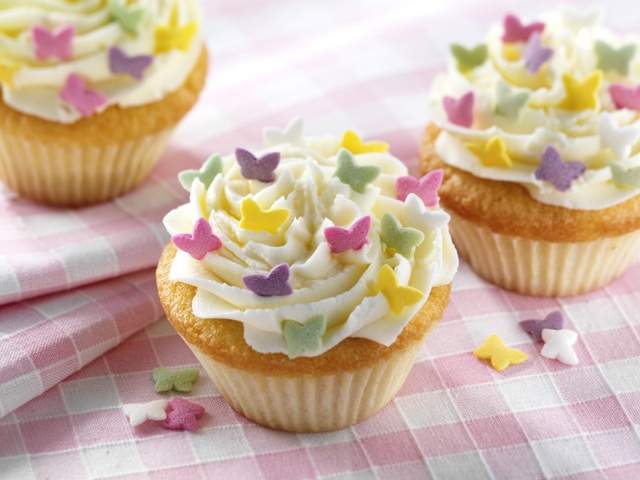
(91, 92)
(301, 281)
(537, 132)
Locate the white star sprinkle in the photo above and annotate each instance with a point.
(558, 345)
(141, 412)
(292, 134)
(618, 139)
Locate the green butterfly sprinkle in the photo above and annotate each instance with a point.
(206, 174)
(129, 18)
(178, 380)
(510, 104)
(304, 336)
(468, 59)
(402, 240)
(356, 177)
(624, 178)
(610, 58)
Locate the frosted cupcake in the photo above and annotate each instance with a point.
(91, 92)
(537, 131)
(306, 277)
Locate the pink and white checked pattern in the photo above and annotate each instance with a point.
(76, 283)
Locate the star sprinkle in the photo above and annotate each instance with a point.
(53, 44)
(183, 415)
(500, 356)
(206, 174)
(625, 97)
(460, 111)
(401, 240)
(200, 242)
(624, 177)
(581, 95)
(352, 142)
(76, 94)
(138, 413)
(619, 139)
(492, 154)
(353, 175)
(468, 59)
(292, 134)
(256, 219)
(558, 345)
(340, 239)
(553, 321)
(617, 59)
(536, 54)
(426, 188)
(7, 71)
(516, 31)
(509, 103)
(129, 18)
(262, 169)
(276, 283)
(178, 380)
(304, 336)
(169, 37)
(553, 169)
(399, 297)
(134, 66)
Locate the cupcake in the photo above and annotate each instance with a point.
(91, 92)
(537, 132)
(305, 277)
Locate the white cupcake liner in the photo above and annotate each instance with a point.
(307, 403)
(73, 175)
(540, 268)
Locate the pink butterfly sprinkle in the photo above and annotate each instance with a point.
(53, 44)
(460, 111)
(200, 242)
(426, 188)
(76, 94)
(340, 239)
(515, 31)
(183, 415)
(625, 97)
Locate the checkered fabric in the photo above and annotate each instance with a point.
(76, 283)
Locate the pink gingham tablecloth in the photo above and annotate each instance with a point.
(74, 284)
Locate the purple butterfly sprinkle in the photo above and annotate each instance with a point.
(553, 321)
(536, 54)
(134, 66)
(262, 169)
(276, 283)
(554, 170)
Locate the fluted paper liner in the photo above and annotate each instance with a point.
(541, 268)
(308, 403)
(74, 175)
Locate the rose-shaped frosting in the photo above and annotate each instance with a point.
(62, 60)
(562, 85)
(341, 279)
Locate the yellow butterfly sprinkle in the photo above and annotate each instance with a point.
(256, 219)
(169, 37)
(501, 356)
(581, 95)
(492, 154)
(7, 71)
(398, 296)
(352, 142)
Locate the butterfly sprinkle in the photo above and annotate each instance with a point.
(536, 54)
(276, 283)
(134, 66)
(617, 59)
(397, 238)
(256, 219)
(178, 380)
(500, 356)
(341, 239)
(398, 296)
(625, 97)
(138, 413)
(358, 178)
(49, 44)
(459, 111)
(292, 134)
(561, 174)
(262, 169)
(516, 31)
(304, 337)
(426, 188)
(558, 345)
(553, 321)
(183, 415)
(209, 170)
(200, 242)
(352, 142)
(468, 59)
(76, 94)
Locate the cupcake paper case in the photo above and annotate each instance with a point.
(301, 281)
(537, 131)
(91, 91)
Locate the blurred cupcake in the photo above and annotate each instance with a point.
(91, 92)
(305, 277)
(537, 131)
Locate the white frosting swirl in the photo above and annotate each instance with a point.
(336, 285)
(36, 84)
(582, 135)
